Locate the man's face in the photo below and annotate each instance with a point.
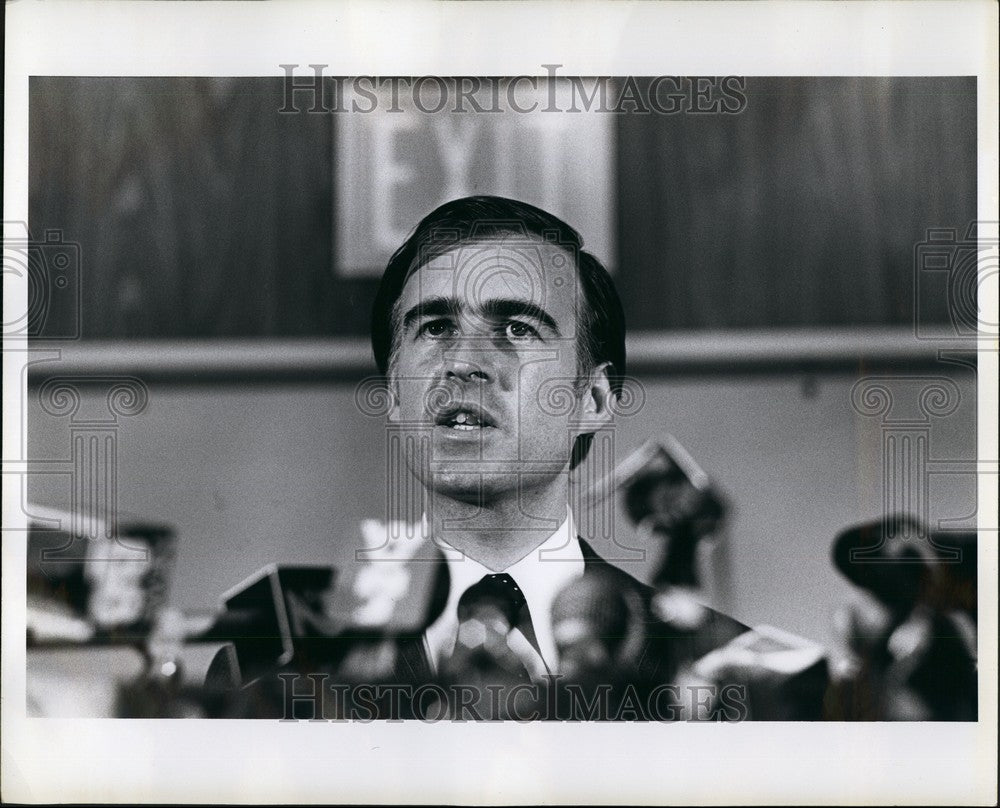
(486, 367)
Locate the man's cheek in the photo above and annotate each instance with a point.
(542, 428)
(551, 393)
(407, 407)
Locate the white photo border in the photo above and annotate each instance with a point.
(53, 760)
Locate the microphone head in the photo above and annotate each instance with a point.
(596, 622)
(865, 625)
(669, 498)
(662, 485)
(888, 557)
(266, 615)
(488, 655)
(392, 596)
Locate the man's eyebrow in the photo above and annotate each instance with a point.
(432, 307)
(492, 309)
(503, 309)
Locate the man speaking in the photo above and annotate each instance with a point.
(502, 341)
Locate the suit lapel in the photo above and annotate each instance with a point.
(591, 560)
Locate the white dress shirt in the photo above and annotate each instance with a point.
(541, 574)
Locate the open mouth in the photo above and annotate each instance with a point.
(465, 419)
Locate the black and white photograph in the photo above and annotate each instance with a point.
(495, 403)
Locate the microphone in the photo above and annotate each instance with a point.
(912, 639)
(770, 675)
(281, 618)
(672, 501)
(493, 664)
(883, 558)
(353, 626)
(396, 589)
(668, 496)
(93, 581)
(932, 675)
(273, 619)
(295, 617)
(484, 643)
(779, 676)
(597, 624)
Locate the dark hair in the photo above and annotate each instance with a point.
(601, 321)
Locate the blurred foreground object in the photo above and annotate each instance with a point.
(104, 584)
(670, 499)
(912, 635)
(683, 659)
(96, 591)
(302, 625)
(675, 507)
(781, 677)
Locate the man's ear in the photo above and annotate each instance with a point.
(392, 405)
(594, 405)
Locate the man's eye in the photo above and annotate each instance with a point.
(436, 328)
(518, 330)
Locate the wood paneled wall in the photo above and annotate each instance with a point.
(203, 212)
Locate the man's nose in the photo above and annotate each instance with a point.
(467, 360)
(466, 371)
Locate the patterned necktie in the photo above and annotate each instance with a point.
(487, 660)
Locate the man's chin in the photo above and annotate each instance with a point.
(473, 487)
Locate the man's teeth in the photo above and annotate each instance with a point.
(466, 421)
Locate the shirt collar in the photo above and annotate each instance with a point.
(541, 575)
